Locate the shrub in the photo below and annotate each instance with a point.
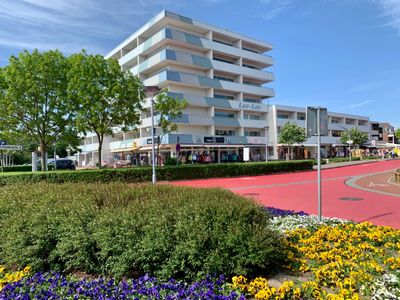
(118, 229)
(171, 161)
(163, 173)
(26, 168)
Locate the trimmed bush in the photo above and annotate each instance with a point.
(123, 230)
(27, 168)
(342, 159)
(163, 173)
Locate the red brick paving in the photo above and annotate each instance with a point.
(298, 191)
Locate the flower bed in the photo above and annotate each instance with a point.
(57, 286)
(333, 259)
(7, 277)
(328, 259)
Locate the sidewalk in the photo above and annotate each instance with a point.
(348, 163)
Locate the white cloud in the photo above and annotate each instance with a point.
(274, 8)
(391, 12)
(71, 25)
(367, 86)
(356, 105)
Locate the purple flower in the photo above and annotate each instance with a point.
(277, 212)
(57, 286)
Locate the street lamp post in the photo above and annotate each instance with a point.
(350, 142)
(152, 91)
(266, 143)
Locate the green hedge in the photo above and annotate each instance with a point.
(118, 229)
(342, 159)
(163, 173)
(18, 169)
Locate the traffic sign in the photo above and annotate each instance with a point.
(2, 143)
(10, 147)
(312, 123)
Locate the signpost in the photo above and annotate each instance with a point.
(246, 154)
(317, 125)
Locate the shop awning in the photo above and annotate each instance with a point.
(116, 150)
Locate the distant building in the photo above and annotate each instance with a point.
(382, 133)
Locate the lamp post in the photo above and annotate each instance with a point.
(266, 143)
(151, 91)
(350, 142)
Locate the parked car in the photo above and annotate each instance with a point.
(62, 164)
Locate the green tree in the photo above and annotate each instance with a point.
(354, 134)
(291, 134)
(104, 97)
(397, 134)
(169, 109)
(33, 97)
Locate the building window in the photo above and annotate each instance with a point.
(227, 97)
(335, 121)
(251, 50)
(251, 83)
(225, 132)
(224, 43)
(249, 66)
(252, 133)
(251, 117)
(301, 117)
(223, 60)
(223, 114)
(349, 122)
(283, 116)
(336, 133)
(223, 78)
(251, 100)
(375, 126)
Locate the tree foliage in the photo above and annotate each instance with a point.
(33, 97)
(397, 133)
(354, 134)
(169, 109)
(104, 97)
(291, 134)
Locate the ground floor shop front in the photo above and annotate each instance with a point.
(187, 154)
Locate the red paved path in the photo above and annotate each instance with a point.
(298, 191)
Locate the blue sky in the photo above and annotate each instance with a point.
(341, 54)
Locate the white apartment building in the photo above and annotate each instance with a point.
(220, 73)
(223, 76)
(279, 115)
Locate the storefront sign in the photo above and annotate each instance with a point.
(249, 106)
(212, 140)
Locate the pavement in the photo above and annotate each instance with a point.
(347, 163)
(347, 192)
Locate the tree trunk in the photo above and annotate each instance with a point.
(100, 137)
(158, 151)
(43, 151)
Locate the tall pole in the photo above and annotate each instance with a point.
(2, 162)
(350, 151)
(153, 153)
(319, 162)
(152, 91)
(266, 144)
(55, 157)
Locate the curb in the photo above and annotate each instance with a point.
(340, 165)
